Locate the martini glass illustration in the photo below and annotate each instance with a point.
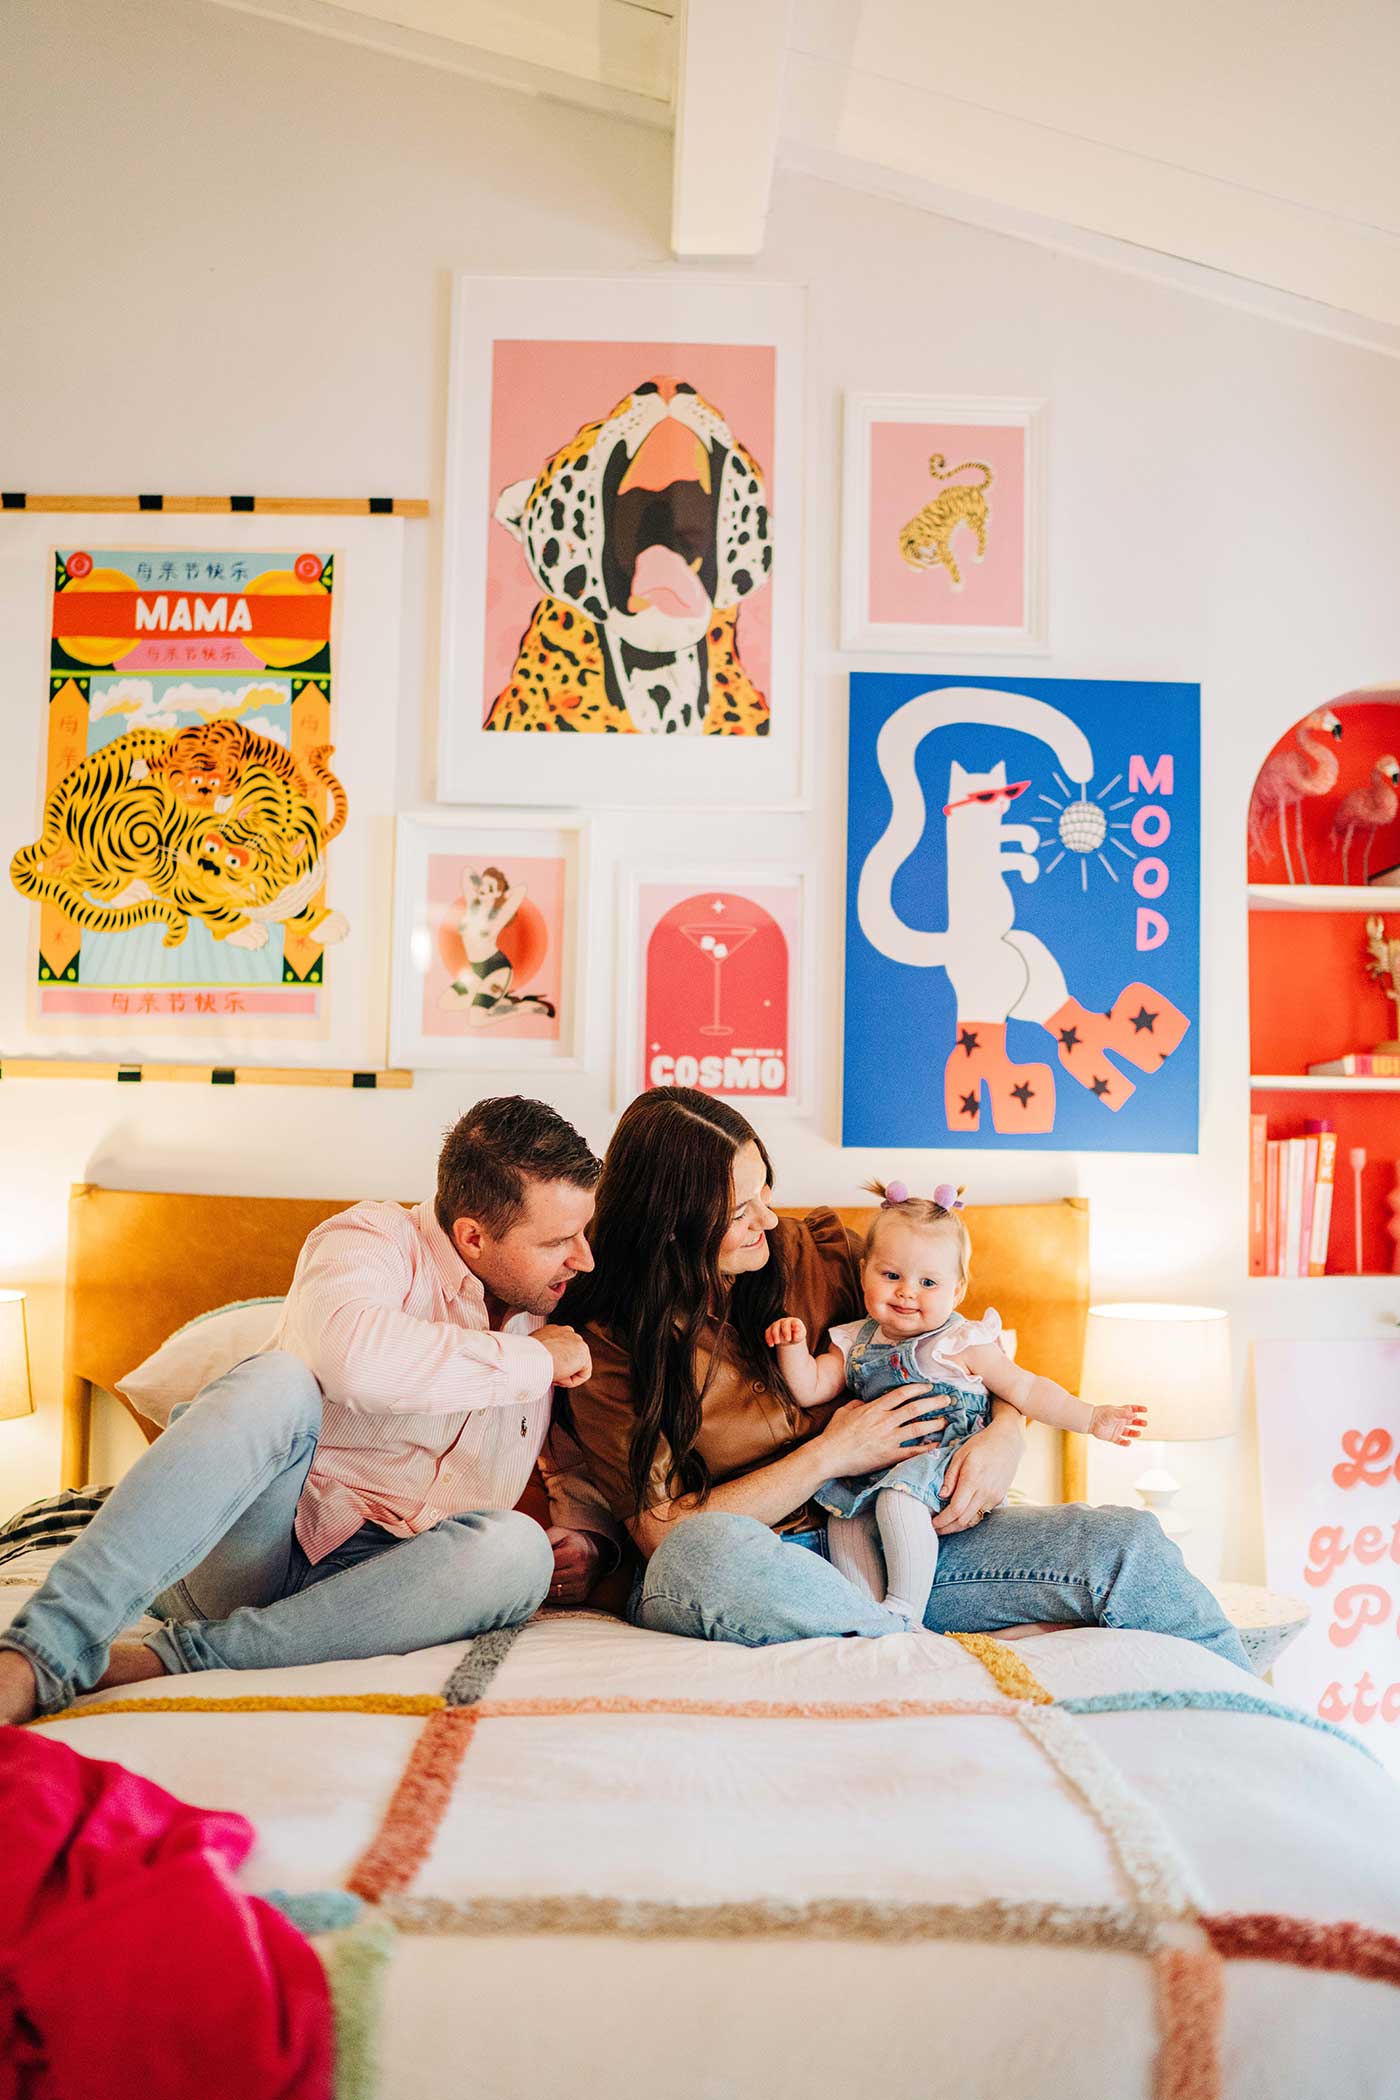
(719, 943)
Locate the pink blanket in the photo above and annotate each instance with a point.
(129, 1960)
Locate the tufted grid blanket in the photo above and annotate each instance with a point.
(591, 1859)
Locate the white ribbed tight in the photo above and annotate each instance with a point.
(904, 1528)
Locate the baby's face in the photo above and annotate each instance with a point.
(911, 1278)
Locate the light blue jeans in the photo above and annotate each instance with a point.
(720, 1577)
(200, 1532)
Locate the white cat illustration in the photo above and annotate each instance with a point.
(998, 971)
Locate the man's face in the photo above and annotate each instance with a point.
(529, 1266)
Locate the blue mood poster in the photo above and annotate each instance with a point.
(1023, 914)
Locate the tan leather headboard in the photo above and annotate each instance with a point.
(141, 1263)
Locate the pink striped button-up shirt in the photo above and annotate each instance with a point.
(427, 1410)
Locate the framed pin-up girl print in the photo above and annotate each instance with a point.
(489, 917)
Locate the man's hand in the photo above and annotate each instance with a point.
(568, 1353)
(979, 1474)
(576, 1558)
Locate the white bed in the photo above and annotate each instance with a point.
(589, 1860)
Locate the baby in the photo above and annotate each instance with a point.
(914, 1274)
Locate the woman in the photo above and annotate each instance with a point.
(689, 1433)
(483, 975)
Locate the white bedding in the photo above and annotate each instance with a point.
(639, 1866)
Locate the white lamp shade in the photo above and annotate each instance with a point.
(16, 1395)
(1174, 1360)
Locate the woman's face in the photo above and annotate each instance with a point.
(751, 1219)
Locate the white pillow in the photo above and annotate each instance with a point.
(197, 1353)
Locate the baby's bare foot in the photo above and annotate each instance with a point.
(19, 1692)
(129, 1662)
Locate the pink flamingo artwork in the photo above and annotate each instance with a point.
(1289, 778)
(1369, 809)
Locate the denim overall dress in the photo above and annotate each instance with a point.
(874, 1367)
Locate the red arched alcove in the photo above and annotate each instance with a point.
(1324, 806)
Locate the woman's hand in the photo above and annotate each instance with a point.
(865, 1436)
(979, 1474)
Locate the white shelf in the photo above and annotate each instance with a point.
(1323, 896)
(1317, 1083)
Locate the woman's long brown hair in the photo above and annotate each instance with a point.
(664, 1204)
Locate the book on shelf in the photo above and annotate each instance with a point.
(1322, 1201)
(1358, 1064)
(1302, 1260)
(1258, 1195)
(1290, 1207)
(1290, 1199)
(1272, 1149)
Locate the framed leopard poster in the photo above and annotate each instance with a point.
(622, 561)
(197, 787)
(943, 525)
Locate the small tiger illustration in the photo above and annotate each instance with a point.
(205, 764)
(927, 540)
(121, 847)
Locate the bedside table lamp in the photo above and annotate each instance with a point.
(16, 1394)
(1175, 1361)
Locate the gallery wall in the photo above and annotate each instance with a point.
(227, 248)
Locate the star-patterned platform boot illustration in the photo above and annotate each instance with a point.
(1022, 1096)
(1141, 1026)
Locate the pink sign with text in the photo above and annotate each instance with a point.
(717, 982)
(1329, 1457)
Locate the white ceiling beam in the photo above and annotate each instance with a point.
(1005, 161)
(729, 84)
(620, 63)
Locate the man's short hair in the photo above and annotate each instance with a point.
(492, 1152)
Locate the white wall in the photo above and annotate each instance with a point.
(226, 248)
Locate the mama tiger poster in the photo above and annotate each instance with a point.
(193, 870)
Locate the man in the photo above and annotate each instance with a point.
(351, 1491)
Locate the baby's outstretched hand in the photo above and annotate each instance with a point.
(1118, 1425)
(784, 1333)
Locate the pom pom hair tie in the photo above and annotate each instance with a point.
(893, 1193)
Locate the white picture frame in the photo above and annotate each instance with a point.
(533, 362)
(428, 845)
(205, 999)
(885, 487)
(634, 928)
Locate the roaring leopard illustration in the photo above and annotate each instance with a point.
(644, 532)
(927, 540)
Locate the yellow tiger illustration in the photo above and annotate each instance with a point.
(269, 849)
(205, 764)
(128, 838)
(926, 541)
